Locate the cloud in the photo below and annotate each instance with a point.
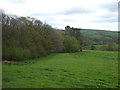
(106, 20)
(110, 6)
(69, 20)
(77, 10)
(14, 1)
(38, 14)
(68, 11)
(59, 13)
(109, 15)
(105, 16)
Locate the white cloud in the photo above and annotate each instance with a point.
(94, 14)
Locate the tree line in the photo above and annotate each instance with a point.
(28, 38)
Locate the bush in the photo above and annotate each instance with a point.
(70, 44)
(18, 53)
(92, 47)
(56, 41)
(110, 47)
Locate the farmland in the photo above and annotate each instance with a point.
(87, 69)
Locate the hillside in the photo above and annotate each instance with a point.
(100, 36)
(93, 36)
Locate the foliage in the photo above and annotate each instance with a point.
(71, 44)
(104, 47)
(28, 35)
(99, 37)
(92, 47)
(75, 32)
(111, 47)
(16, 54)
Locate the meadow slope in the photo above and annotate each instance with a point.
(94, 69)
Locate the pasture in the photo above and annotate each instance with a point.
(87, 69)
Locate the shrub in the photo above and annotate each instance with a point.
(92, 47)
(110, 47)
(16, 53)
(71, 44)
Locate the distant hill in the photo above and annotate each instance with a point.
(92, 36)
(100, 36)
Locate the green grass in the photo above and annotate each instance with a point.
(104, 47)
(89, 69)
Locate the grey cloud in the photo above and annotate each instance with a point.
(108, 15)
(77, 10)
(71, 11)
(103, 20)
(111, 6)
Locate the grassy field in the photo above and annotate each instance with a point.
(89, 69)
(103, 47)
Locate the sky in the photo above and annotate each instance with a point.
(87, 14)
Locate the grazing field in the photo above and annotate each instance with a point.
(87, 69)
(104, 47)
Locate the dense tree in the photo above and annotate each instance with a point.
(92, 47)
(71, 44)
(75, 32)
(27, 38)
(110, 47)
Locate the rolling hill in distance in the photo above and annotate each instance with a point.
(96, 36)
(100, 36)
